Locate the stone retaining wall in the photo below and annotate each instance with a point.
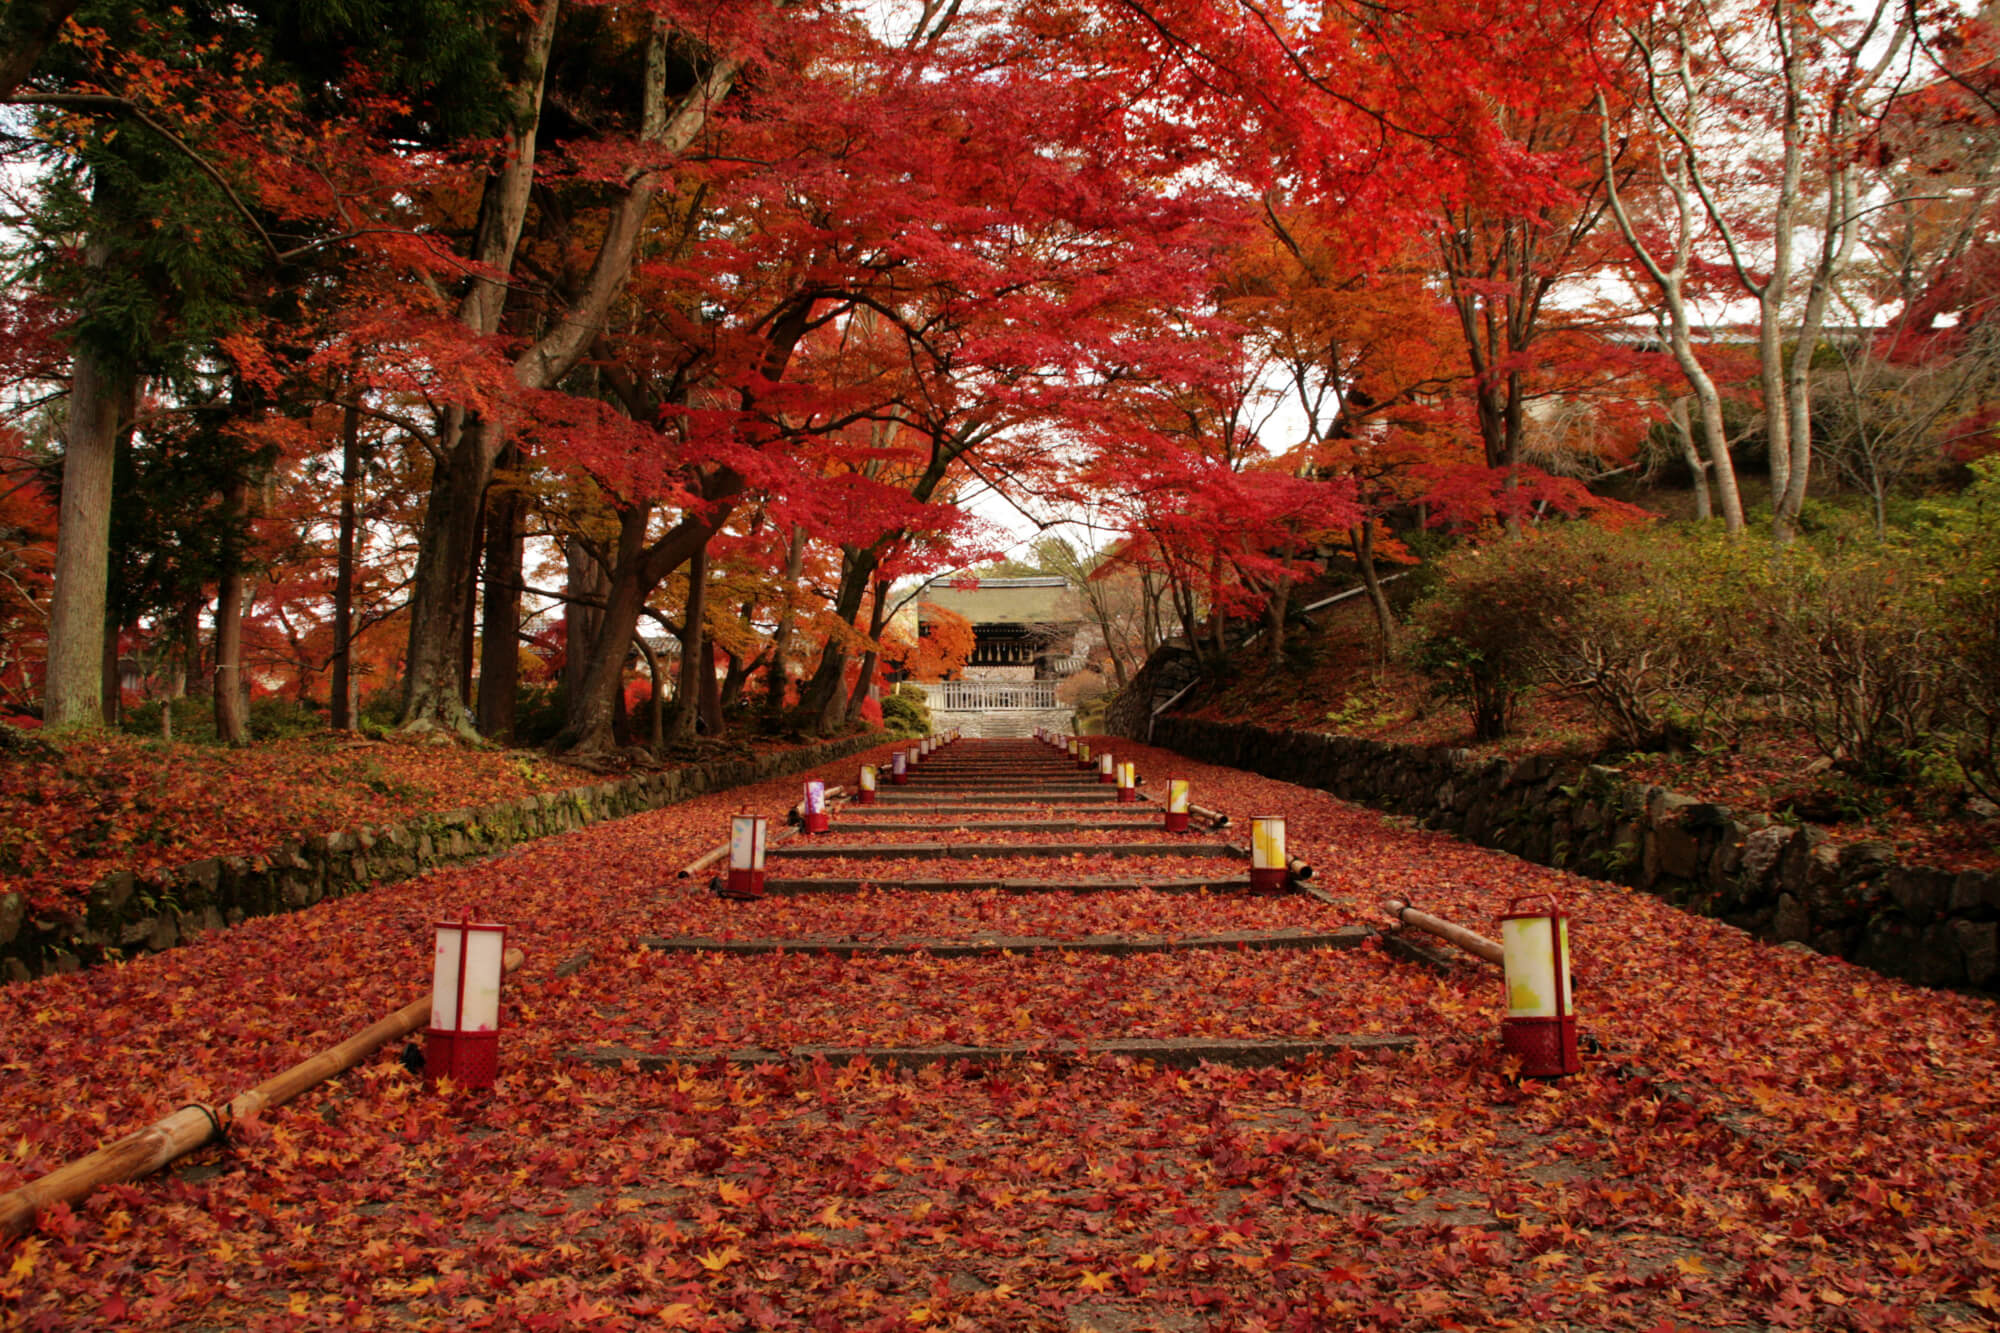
(129, 912)
(1936, 927)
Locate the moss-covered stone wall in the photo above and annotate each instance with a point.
(1936, 927)
(129, 912)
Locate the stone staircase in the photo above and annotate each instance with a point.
(993, 723)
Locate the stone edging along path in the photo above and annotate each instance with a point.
(1934, 927)
(130, 912)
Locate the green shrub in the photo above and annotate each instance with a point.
(1643, 624)
(194, 719)
(1474, 636)
(281, 719)
(1856, 646)
(907, 712)
(1962, 539)
(538, 713)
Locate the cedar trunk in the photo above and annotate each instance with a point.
(73, 690)
(342, 702)
(230, 725)
(499, 634)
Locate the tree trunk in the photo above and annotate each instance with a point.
(1218, 624)
(441, 590)
(694, 654)
(73, 691)
(447, 544)
(708, 692)
(588, 586)
(824, 699)
(190, 649)
(656, 699)
(781, 638)
(596, 663)
(1677, 414)
(733, 677)
(231, 727)
(1277, 605)
(468, 620)
(878, 620)
(639, 569)
(342, 702)
(499, 635)
(1364, 561)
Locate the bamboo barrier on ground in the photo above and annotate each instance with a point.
(1470, 941)
(175, 1136)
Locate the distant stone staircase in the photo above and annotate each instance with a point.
(1004, 722)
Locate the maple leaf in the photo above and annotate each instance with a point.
(717, 1260)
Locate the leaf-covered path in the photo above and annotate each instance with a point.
(1771, 1139)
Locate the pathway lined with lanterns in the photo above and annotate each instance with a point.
(983, 1107)
(1066, 822)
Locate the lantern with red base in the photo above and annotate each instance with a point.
(1083, 759)
(1107, 770)
(462, 1042)
(1540, 1026)
(1267, 853)
(865, 785)
(1178, 799)
(899, 769)
(1128, 783)
(1069, 746)
(746, 857)
(813, 814)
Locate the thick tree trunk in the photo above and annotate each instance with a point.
(781, 638)
(73, 692)
(590, 702)
(639, 570)
(499, 634)
(708, 692)
(656, 699)
(824, 698)
(231, 727)
(190, 650)
(694, 655)
(342, 702)
(878, 620)
(446, 550)
(588, 586)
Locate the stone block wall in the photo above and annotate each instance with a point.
(1935, 927)
(128, 913)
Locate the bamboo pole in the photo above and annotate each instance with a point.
(1215, 818)
(1470, 941)
(702, 862)
(797, 814)
(175, 1136)
(1297, 869)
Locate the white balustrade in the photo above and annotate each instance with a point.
(987, 696)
